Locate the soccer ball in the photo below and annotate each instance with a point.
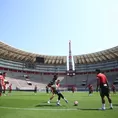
(75, 103)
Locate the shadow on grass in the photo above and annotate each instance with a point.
(46, 105)
(115, 104)
(52, 104)
(88, 109)
(92, 109)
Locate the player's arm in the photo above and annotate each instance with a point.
(107, 83)
(0, 81)
(98, 84)
(108, 86)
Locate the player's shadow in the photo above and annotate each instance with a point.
(91, 109)
(115, 104)
(88, 109)
(45, 104)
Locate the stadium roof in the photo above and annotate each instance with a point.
(10, 53)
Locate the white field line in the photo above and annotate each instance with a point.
(45, 109)
(36, 109)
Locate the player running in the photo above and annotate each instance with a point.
(9, 89)
(1, 83)
(73, 89)
(51, 88)
(90, 87)
(54, 85)
(35, 89)
(102, 83)
(113, 88)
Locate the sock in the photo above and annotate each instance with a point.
(65, 99)
(103, 105)
(111, 105)
(58, 102)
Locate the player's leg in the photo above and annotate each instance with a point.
(53, 94)
(109, 99)
(114, 91)
(102, 98)
(61, 95)
(9, 92)
(89, 92)
(0, 90)
(103, 102)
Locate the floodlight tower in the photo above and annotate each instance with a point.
(70, 57)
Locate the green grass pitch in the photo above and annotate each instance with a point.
(29, 105)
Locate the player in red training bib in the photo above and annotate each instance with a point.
(4, 84)
(35, 89)
(103, 85)
(113, 88)
(1, 83)
(10, 88)
(90, 87)
(73, 89)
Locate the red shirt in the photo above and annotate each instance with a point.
(1, 80)
(90, 87)
(10, 87)
(57, 84)
(113, 87)
(102, 78)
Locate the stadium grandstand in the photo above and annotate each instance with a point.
(25, 70)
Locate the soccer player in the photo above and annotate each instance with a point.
(47, 90)
(51, 88)
(1, 83)
(35, 89)
(113, 88)
(4, 84)
(10, 89)
(73, 89)
(102, 83)
(90, 87)
(54, 87)
(4, 88)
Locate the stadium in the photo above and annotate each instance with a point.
(58, 58)
(26, 70)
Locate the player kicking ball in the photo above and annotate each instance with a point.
(54, 85)
(102, 83)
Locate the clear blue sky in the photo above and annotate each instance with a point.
(46, 26)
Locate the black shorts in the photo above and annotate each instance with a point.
(90, 91)
(104, 91)
(35, 91)
(0, 88)
(56, 91)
